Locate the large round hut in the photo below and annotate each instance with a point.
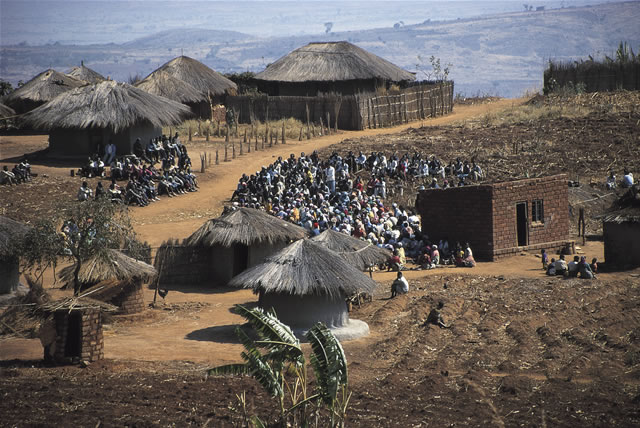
(329, 67)
(39, 90)
(363, 255)
(83, 119)
(11, 231)
(115, 278)
(306, 283)
(233, 242)
(85, 73)
(166, 85)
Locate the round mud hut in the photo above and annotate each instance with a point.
(11, 232)
(83, 119)
(115, 278)
(306, 283)
(75, 331)
(235, 241)
(330, 67)
(85, 73)
(165, 85)
(362, 255)
(39, 90)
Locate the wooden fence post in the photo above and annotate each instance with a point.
(217, 158)
(284, 138)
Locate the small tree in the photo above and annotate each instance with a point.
(5, 88)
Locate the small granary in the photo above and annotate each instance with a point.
(360, 254)
(81, 120)
(75, 333)
(39, 90)
(306, 283)
(85, 73)
(621, 232)
(500, 219)
(330, 67)
(114, 277)
(233, 242)
(11, 231)
(165, 85)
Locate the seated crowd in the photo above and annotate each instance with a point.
(579, 267)
(20, 173)
(322, 194)
(145, 181)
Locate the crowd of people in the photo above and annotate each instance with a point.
(627, 180)
(145, 181)
(20, 173)
(578, 268)
(330, 194)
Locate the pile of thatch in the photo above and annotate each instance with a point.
(6, 111)
(330, 62)
(358, 253)
(39, 90)
(198, 75)
(626, 209)
(246, 226)
(85, 73)
(305, 268)
(165, 85)
(78, 303)
(10, 231)
(112, 264)
(23, 315)
(112, 105)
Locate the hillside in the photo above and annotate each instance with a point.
(500, 54)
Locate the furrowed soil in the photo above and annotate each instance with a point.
(520, 348)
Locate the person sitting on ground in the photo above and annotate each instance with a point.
(545, 259)
(399, 285)
(594, 265)
(97, 167)
(85, 171)
(394, 262)
(584, 269)
(561, 266)
(21, 176)
(572, 267)
(551, 268)
(435, 256)
(611, 181)
(435, 317)
(84, 193)
(7, 177)
(469, 261)
(99, 191)
(627, 180)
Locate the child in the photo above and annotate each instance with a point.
(545, 259)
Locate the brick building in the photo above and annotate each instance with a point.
(499, 219)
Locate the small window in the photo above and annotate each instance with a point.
(537, 212)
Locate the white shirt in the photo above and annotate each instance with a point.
(627, 180)
(402, 285)
(331, 174)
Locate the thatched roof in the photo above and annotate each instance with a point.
(305, 268)
(78, 303)
(198, 75)
(245, 226)
(165, 85)
(360, 254)
(85, 73)
(9, 230)
(626, 209)
(6, 111)
(41, 89)
(330, 62)
(113, 265)
(108, 104)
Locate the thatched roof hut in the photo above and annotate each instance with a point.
(112, 265)
(621, 231)
(306, 283)
(10, 230)
(166, 85)
(85, 73)
(231, 243)
(85, 117)
(209, 82)
(6, 111)
(340, 67)
(39, 90)
(358, 253)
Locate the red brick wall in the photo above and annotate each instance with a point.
(131, 299)
(460, 214)
(485, 215)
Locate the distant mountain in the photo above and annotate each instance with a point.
(499, 54)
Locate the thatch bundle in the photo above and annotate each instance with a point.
(113, 105)
(10, 230)
(626, 209)
(305, 268)
(165, 85)
(78, 303)
(330, 62)
(6, 111)
(24, 314)
(85, 73)
(360, 254)
(198, 75)
(39, 90)
(244, 226)
(113, 264)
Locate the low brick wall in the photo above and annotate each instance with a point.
(88, 327)
(131, 299)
